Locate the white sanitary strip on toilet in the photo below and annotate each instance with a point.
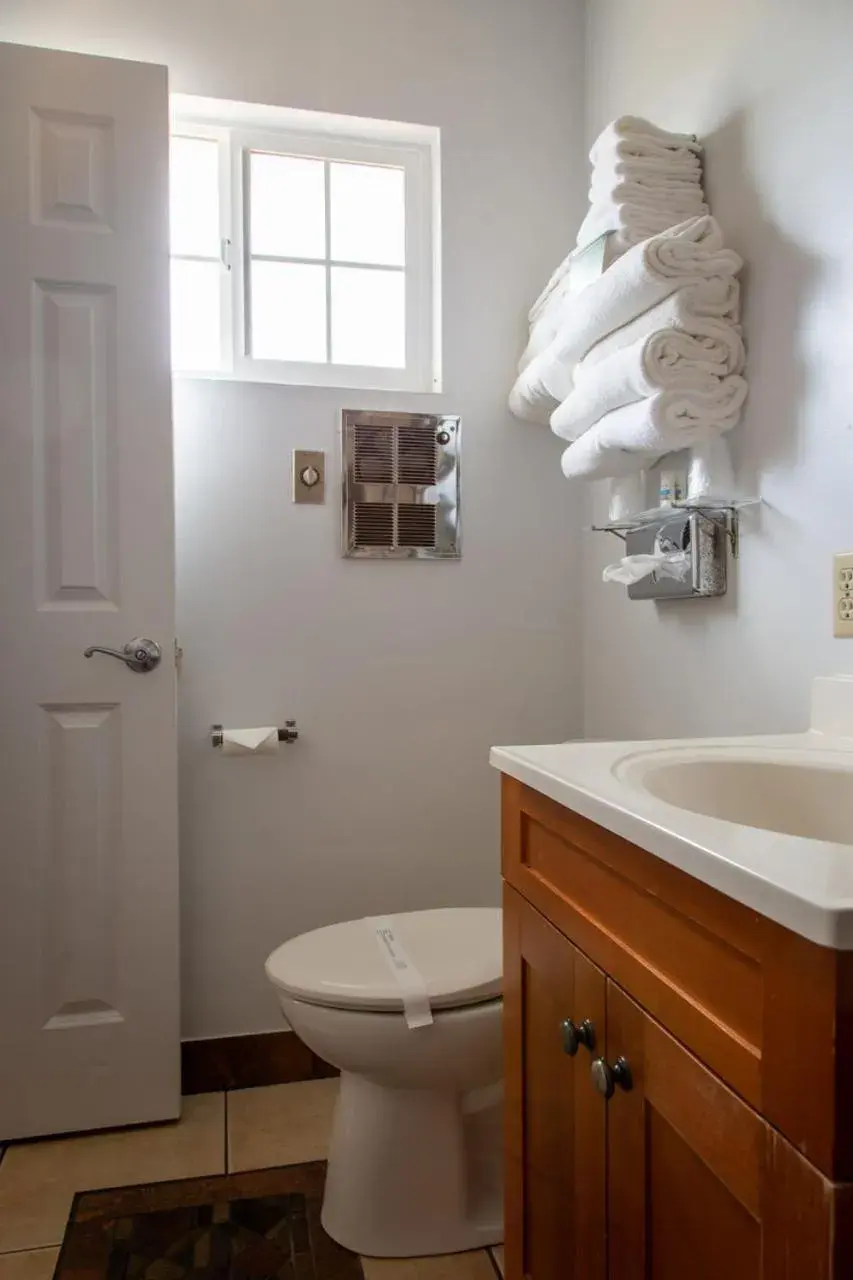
(413, 989)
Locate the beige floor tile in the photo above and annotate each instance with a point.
(35, 1264)
(452, 1266)
(498, 1255)
(38, 1179)
(280, 1124)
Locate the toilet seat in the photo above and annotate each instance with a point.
(457, 951)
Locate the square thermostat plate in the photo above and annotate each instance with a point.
(309, 476)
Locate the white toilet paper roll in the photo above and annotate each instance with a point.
(262, 741)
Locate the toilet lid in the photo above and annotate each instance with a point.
(457, 952)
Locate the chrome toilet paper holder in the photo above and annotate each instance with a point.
(288, 734)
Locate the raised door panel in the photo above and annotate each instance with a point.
(698, 1183)
(556, 1122)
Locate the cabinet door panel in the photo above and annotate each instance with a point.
(556, 1142)
(698, 1183)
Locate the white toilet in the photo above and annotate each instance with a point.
(415, 1162)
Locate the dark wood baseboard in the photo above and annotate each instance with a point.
(244, 1062)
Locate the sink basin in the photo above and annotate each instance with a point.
(775, 791)
(766, 820)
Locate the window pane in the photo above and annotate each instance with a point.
(194, 196)
(196, 342)
(287, 202)
(368, 317)
(368, 213)
(288, 312)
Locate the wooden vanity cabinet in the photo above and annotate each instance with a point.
(677, 1173)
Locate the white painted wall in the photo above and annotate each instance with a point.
(767, 85)
(400, 676)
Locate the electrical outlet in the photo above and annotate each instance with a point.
(842, 594)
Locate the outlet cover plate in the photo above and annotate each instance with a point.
(842, 595)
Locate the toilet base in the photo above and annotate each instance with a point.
(413, 1172)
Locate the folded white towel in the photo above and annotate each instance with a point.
(644, 276)
(656, 199)
(635, 222)
(605, 183)
(613, 169)
(635, 131)
(709, 309)
(667, 360)
(632, 136)
(631, 200)
(649, 272)
(650, 428)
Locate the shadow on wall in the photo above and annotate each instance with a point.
(778, 278)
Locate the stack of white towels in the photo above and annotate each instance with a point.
(646, 360)
(644, 180)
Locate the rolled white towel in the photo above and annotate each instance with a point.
(642, 277)
(633, 136)
(667, 360)
(678, 256)
(650, 428)
(558, 283)
(708, 309)
(633, 181)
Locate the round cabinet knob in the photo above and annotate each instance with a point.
(606, 1078)
(309, 477)
(574, 1035)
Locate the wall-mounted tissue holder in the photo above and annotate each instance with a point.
(704, 533)
(700, 538)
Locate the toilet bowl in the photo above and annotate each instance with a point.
(415, 1159)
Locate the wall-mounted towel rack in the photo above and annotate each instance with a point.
(722, 513)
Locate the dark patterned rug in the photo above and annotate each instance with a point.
(241, 1226)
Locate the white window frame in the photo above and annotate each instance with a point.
(242, 127)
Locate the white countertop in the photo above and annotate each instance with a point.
(804, 884)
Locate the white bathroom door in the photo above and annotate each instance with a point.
(89, 996)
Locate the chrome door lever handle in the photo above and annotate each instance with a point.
(139, 654)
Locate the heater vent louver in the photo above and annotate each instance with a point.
(400, 485)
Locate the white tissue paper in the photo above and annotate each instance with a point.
(262, 741)
(666, 564)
